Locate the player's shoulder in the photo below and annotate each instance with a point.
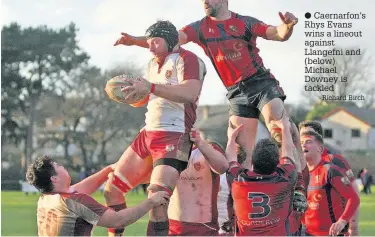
(77, 197)
(187, 56)
(333, 170)
(184, 53)
(245, 18)
(196, 24)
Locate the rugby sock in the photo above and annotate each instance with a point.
(113, 231)
(157, 228)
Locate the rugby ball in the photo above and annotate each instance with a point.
(113, 89)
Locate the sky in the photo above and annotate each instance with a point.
(101, 22)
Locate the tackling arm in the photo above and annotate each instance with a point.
(93, 182)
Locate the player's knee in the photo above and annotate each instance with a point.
(179, 165)
(160, 187)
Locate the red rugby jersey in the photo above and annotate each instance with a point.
(231, 46)
(330, 197)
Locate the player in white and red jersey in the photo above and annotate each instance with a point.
(193, 206)
(65, 210)
(162, 147)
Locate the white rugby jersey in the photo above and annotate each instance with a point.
(195, 196)
(166, 115)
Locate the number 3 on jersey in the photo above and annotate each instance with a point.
(259, 200)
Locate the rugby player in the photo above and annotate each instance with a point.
(162, 148)
(193, 209)
(263, 197)
(69, 210)
(338, 160)
(331, 198)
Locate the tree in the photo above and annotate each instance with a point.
(88, 118)
(110, 120)
(319, 110)
(35, 61)
(354, 78)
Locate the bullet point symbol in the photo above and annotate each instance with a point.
(307, 15)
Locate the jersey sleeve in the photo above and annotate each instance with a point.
(86, 207)
(218, 148)
(256, 27)
(342, 163)
(190, 67)
(234, 170)
(341, 183)
(192, 32)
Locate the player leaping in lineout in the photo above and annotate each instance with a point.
(163, 146)
(229, 40)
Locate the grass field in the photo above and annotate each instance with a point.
(18, 215)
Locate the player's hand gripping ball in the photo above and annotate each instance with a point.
(114, 92)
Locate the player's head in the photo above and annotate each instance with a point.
(315, 126)
(46, 175)
(214, 7)
(162, 37)
(265, 156)
(312, 145)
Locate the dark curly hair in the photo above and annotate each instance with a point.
(39, 174)
(265, 156)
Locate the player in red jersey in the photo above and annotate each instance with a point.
(338, 160)
(65, 210)
(263, 197)
(229, 40)
(332, 199)
(162, 148)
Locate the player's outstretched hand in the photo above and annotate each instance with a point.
(195, 136)
(288, 18)
(299, 202)
(337, 227)
(159, 198)
(125, 39)
(283, 123)
(233, 132)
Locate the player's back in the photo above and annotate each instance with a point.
(263, 203)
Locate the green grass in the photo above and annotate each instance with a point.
(18, 215)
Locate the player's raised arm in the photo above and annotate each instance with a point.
(93, 182)
(287, 145)
(141, 41)
(215, 158)
(284, 30)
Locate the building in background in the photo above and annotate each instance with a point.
(350, 128)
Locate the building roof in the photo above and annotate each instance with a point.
(365, 115)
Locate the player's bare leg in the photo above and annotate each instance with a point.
(246, 138)
(130, 171)
(164, 178)
(273, 110)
